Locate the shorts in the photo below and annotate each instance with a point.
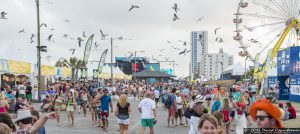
(21, 95)
(125, 122)
(29, 96)
(171, 112)
(147, 123)
(70, 109)
(156, 99)
(104, 115)
(178, 113)
(232, 114)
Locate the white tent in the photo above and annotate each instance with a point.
(235, 69)
(117, 73)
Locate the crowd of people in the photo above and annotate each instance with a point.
(204, 108)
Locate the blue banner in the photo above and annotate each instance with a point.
(284, 82)
(294, 88)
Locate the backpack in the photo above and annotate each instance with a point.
(226, 115)
(168, 102)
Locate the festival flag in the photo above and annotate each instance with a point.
(102, 61)
(88, 48)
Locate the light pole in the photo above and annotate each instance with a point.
(38, 48)
(246, 66)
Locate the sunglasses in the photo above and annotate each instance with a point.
(261, 118)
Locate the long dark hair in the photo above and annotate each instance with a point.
(5, 118)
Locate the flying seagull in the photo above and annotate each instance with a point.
(48, 58)
(49, 37)
(79, 41)
(102, 34)
(175, 17)
(83, 34)
(217, 30)
(52, 29)
(73, 51)
(167, 59)
(188, 51)
(183, 52)
(43, 24)
(67, 21)
(132, 7)
(66, 35)
(31, 41)
(221, 40)
(161, 50)
(200, 19)
(96, 45)
(22, 31)
(3, 15)
(217, 39)
(200, 37)
(169, 41)
(175, 7)
(249, 29)
(32, 36)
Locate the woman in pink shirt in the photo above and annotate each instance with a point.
(291, 110)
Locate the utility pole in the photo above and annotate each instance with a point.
(38, 48)
(111, 59)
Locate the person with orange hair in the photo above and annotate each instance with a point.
(265, 114)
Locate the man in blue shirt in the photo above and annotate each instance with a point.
(105, 103)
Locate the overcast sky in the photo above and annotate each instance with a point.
(149, 27)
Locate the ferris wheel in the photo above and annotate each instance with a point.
(263, 25)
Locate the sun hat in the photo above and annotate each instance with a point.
(23, 114)
(200, 98)
(268, 107)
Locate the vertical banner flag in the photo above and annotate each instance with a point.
(87, 50)
(102, 61)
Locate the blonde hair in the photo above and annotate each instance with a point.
(210, 118)
(242, 99)
(123, 100)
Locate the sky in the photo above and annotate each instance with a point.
(149, 27)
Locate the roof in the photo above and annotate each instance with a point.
(151, 74)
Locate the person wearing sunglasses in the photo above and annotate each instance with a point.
(265, 114)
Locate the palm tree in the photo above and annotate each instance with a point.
(73, 63)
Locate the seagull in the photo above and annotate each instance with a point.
(188, 51)
(32, 36)
(43, 24)
(221, 40)
(249, 29)
(167, 59)
(102, 34)
(49, 37)
(200, 19)
(48, 58)
(161, 50)
(254, 41)
(67, 21)
(73, 51)
(31, 41)
(132, 7)
(22, 31)
(175, 7)
(120, 38)
(175, 17)
(217, 39)
(200, 37)
(3, 15)
(183, 52)
(66, 35)
(217, 30)
(169, 41)
(51, 3)
(184, 42)
(79, 41)
(83, 34)
(159, 55)
(96, 45)
(52, 29)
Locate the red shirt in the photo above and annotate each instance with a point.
(292, 111)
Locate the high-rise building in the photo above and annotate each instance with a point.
(199, 46)
(215, 64)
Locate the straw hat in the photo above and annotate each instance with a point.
(23, 114)
(200, 98)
